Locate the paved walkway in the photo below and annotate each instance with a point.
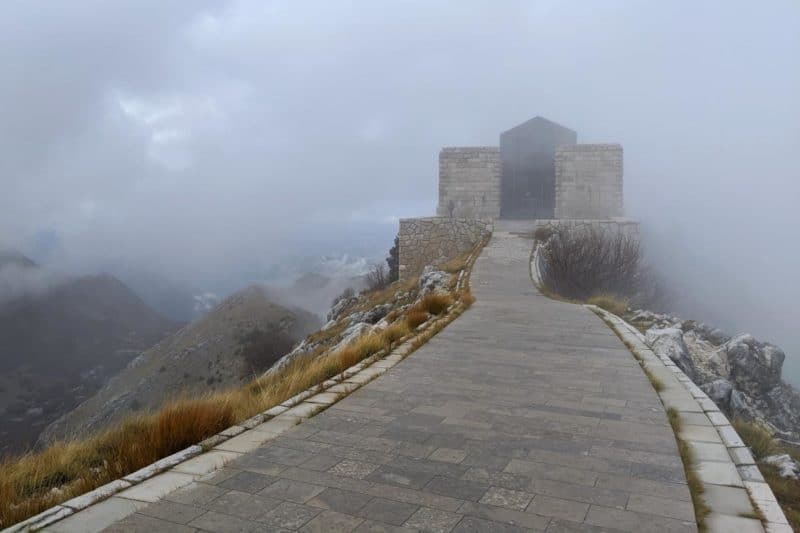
(524, 414)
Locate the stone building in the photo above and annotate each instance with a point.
(538, 172)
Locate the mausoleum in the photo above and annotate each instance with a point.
(538, 171)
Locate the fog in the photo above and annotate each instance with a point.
(216, 143)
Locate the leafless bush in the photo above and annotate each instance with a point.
(582, 261)
(377, 278)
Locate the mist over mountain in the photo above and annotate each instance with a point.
(222, 143)
(238, 339)
(59, 343)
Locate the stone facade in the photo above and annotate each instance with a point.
(589, 181)
(469, 182)
(433, 240)
(537, 172)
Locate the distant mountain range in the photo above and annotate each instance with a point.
(77, 353)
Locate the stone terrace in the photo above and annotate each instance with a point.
(523, 414)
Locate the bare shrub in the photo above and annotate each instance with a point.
(415, 318)
(467, 298)
(395, 332)
(377, 278)
(435, 303)
(580, 262)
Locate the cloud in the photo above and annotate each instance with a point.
(215, 140)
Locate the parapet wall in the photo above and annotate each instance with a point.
(589, 181)
(620, 225)
(434, 240)
(469, 182)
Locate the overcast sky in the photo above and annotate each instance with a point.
(197, 137)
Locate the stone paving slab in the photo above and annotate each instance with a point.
(525, 414)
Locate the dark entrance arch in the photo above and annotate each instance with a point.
(528, 180)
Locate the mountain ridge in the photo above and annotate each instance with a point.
(241, 336)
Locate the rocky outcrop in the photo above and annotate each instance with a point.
(739, 373)
(786, 466)
(668, 342)
(753, 365)
(433, 280)
(372, 315)
(353, 316)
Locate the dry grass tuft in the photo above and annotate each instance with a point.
(466, 298)
(787, 492)
(77, 467)
(757, 437)
(325, 335)
(395, 332)
(435, 303)
(610, 302)
(658, 385)
(186, 422)
(368, 345)
(675, 421)
(415, 318)
(382, 296)
(456, 264)
(696, 488)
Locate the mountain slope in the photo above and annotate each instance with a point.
(9, 258)
(242, 336)
(58, 345)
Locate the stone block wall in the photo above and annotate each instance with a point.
(621, 225)
(433, 240)
(469, 177)
(589, 181)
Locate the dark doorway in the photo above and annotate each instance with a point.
(527, 153)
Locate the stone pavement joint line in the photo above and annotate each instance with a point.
(524, 414)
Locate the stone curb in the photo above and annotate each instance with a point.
(216, 451)
(707, 432)
(536, 265)
(151, 483)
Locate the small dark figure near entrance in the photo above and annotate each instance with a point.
(451, 207)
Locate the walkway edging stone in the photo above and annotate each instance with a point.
(740, 469)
